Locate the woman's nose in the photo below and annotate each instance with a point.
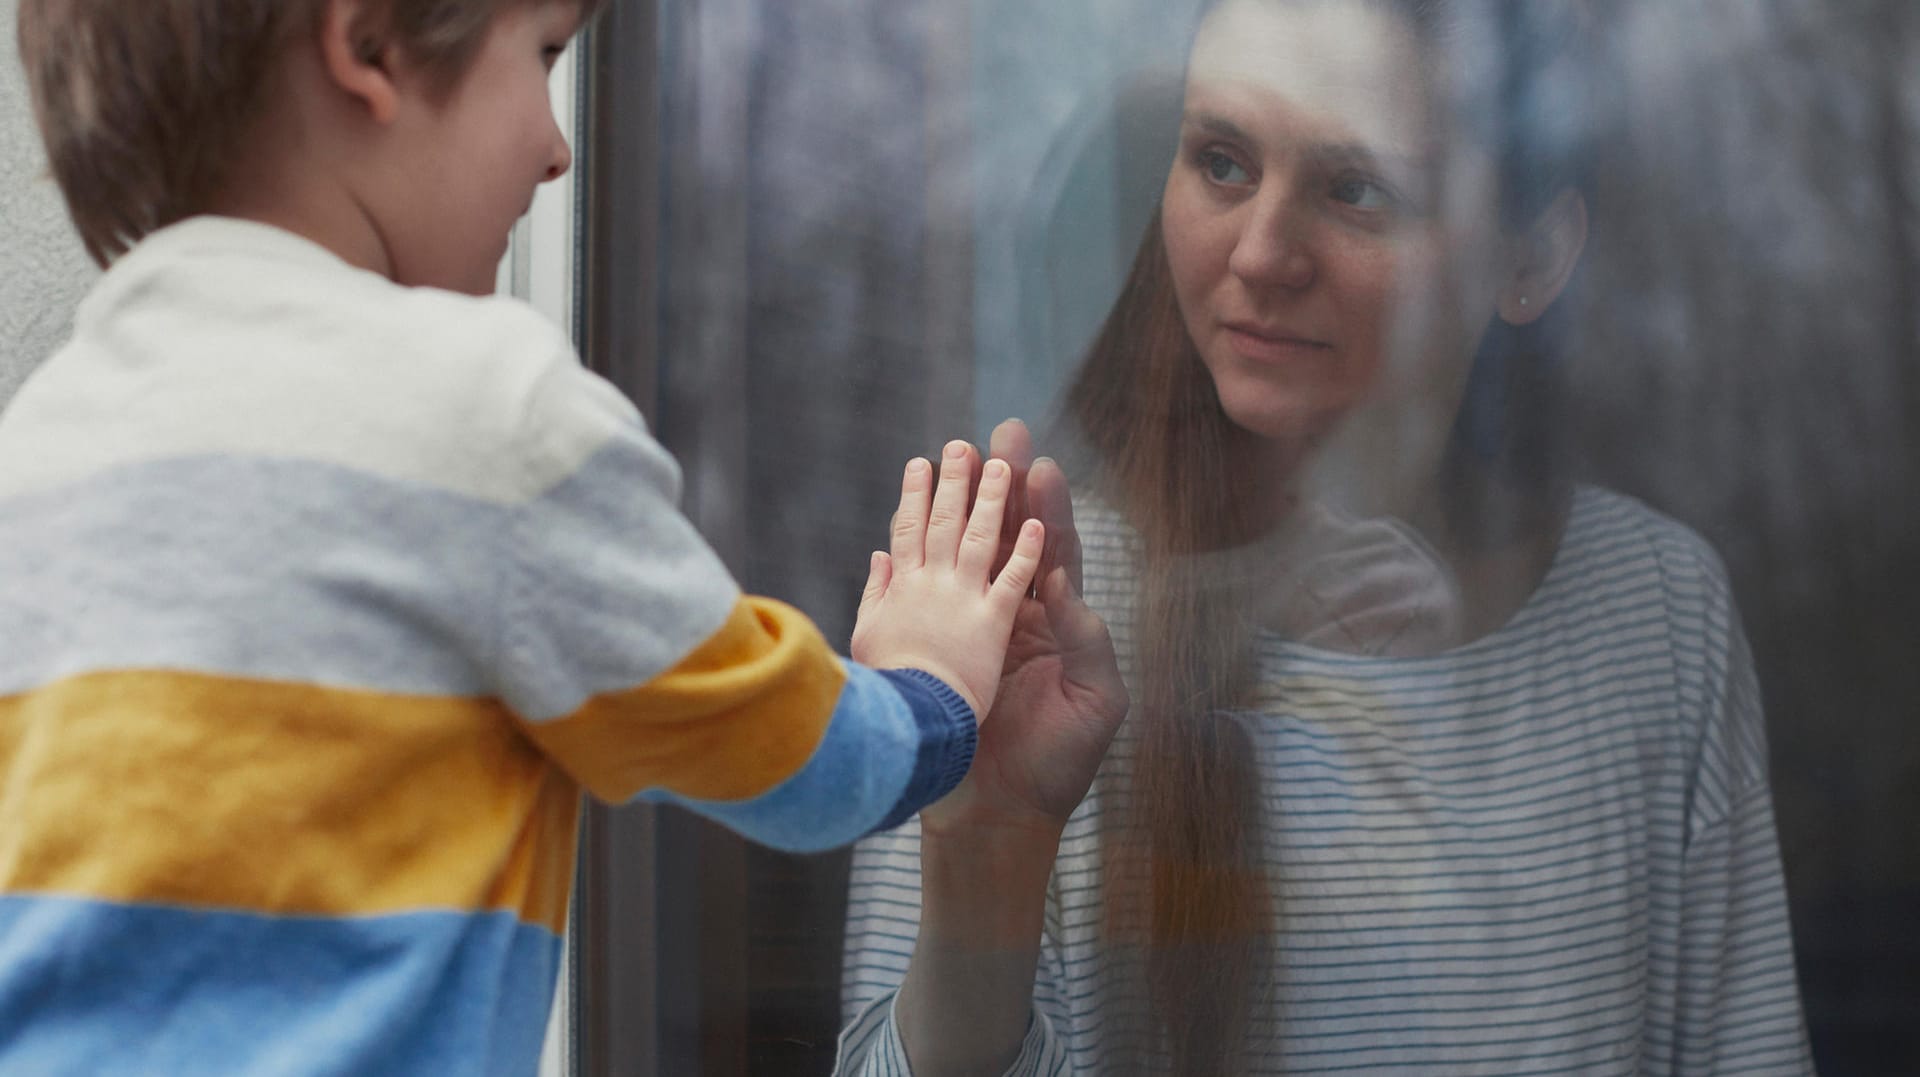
(1273, 248)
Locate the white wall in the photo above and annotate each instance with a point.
(43, 272)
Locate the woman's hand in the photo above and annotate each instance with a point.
(988, 847)
(1061, 697)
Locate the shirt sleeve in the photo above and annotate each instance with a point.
(1736, 1001)
(883, 919)
(628, 654)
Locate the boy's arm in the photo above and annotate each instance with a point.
(633, 661)
(765, 730)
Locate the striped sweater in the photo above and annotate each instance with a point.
(1551, 851)
(322, 600)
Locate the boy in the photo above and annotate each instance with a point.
(324, 589)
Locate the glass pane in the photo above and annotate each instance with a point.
(1489, 427)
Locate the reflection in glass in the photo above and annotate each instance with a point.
(1443, 750)
(1421, 731)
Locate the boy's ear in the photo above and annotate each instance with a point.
(1542, 259)
(358, 56)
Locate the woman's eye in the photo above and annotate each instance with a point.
(1221, 168)
(1361, 193)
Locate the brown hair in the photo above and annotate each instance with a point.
(1191, 913)
(140, 102)
(1188, 907)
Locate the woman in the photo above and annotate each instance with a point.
(1434, 763)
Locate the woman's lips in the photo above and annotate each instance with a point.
(1266, 345)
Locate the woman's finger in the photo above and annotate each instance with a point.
(1012, 442)
(1086, 647)
(1050, 502)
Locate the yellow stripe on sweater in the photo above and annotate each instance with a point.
(203, 791)
(738, 716)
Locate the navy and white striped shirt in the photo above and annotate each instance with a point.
(1549, 851)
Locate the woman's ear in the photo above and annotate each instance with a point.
(1543, 259)
(359, 57)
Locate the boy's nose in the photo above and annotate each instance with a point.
(562, 158)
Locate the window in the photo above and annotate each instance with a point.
(820, 239)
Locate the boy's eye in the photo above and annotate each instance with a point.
(1221, 168)
(550, 55)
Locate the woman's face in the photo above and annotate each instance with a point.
(1333, 254)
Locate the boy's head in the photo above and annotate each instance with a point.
(424, 121)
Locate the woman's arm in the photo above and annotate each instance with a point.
(1735, 997)
(967, 1000)
(968, 892)
(884, 919)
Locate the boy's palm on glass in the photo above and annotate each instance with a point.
(934, 602)
(1061, 696)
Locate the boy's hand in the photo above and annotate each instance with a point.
(935, 602)
(1061, 696)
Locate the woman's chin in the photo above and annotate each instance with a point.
(1290, 422)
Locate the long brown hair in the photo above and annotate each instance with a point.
(1188, 900)
(141, 103)
(1191, 913)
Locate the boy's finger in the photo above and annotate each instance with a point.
(910, 521)
(879, 574)
(980, 546)
(1011, 586)
(948, 517)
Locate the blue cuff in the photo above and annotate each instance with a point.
(948, 734)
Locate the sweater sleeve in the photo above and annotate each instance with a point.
(883, 920)
(628, 654)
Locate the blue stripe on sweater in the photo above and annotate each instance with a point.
(948, 736)
(92, 987)
(886, 726)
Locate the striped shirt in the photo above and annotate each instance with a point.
(1551, 851)
(322, 600)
